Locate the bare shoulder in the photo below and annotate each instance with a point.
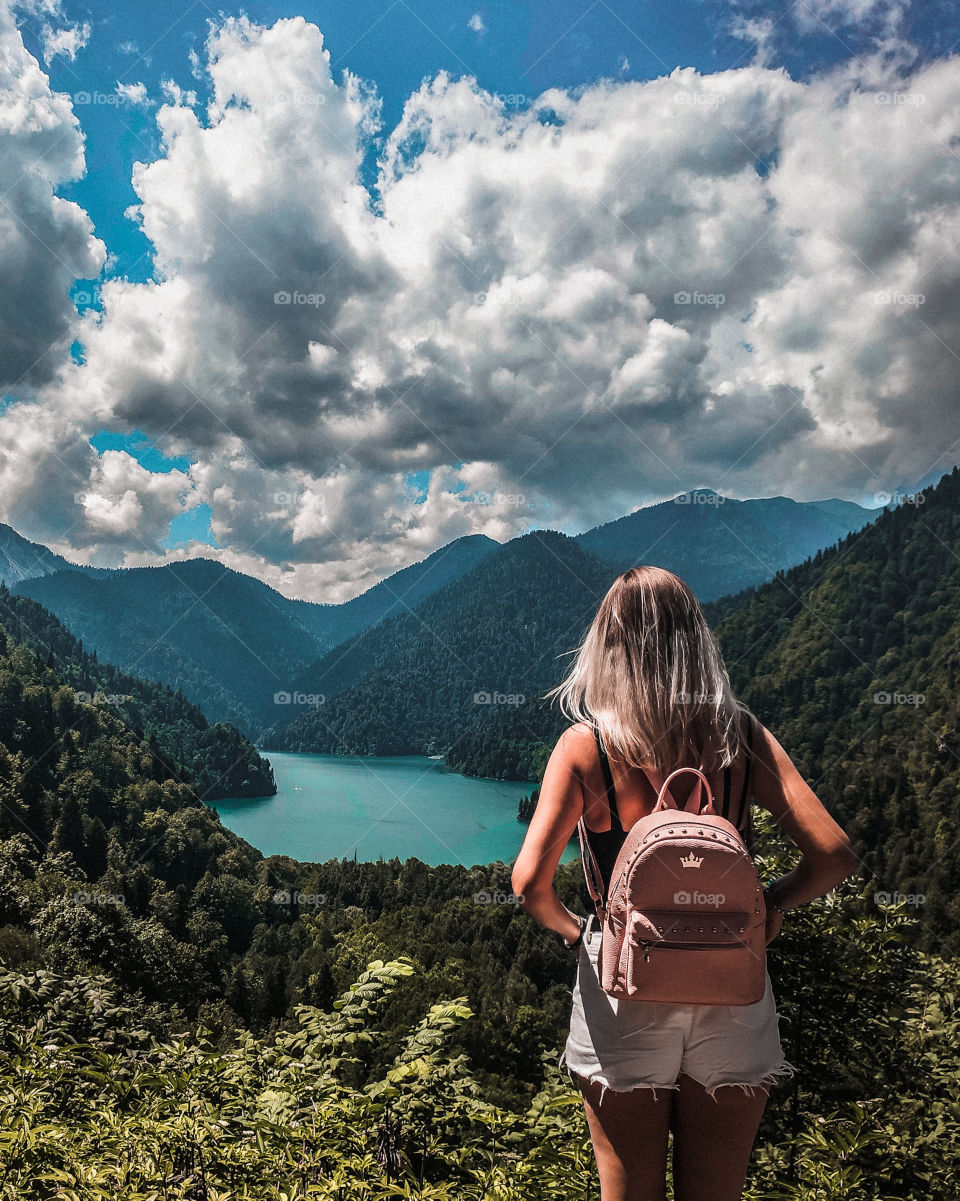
(576, 745)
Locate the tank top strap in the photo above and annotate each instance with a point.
(615, 823)
(748, 772)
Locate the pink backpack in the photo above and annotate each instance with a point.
(684, 919)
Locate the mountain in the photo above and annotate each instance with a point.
(403, 590)
(460, 674)
(217, 761)
(163, 985)
(853, 659)
(23, 560)
(226, 641)
(221, 638)
(719, 545)
(384, 691)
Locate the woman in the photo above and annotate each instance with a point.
(648, 686)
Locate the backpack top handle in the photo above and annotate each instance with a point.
(665, 800)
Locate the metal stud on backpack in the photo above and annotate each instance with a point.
(684, 920)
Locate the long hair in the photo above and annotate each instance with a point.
(650, 677)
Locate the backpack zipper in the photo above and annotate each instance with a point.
(645, 944)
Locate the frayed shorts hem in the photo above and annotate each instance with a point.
(749, 1086)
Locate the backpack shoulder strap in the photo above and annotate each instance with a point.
(591, 870)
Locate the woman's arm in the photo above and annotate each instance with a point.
(554, 820)
(827, 856)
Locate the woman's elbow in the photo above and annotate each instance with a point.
(520, 883)
(844, 859)
(526, 889)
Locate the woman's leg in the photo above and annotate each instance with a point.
(629, 1132)
(713, 1140)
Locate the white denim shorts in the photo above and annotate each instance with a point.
(648, 1044)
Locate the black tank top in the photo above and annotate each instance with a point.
(606, 844)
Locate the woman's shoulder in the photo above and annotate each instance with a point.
(577, 743)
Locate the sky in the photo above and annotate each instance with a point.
(315, 289)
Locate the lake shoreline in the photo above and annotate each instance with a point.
(434, 758)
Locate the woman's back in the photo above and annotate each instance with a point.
(636, 795)
(618, 794)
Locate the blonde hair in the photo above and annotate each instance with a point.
(649, 675)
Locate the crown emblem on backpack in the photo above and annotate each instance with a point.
(691, 861)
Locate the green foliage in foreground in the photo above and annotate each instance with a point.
(99, 1100)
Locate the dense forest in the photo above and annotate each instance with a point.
(181, 1017)
(110, 861)
(463, 673)
(373, 1077)
(853, 659)
(216, 760)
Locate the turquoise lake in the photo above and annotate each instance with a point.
(338, 806)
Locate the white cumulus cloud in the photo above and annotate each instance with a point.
(556, 311)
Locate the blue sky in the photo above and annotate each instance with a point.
(522, 50)
(738, 277)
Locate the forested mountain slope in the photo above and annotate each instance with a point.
(227, 641)
(215, 759)
(464, 672)
(399, 592)
(853, 660)
(720, 545)
(221, 638)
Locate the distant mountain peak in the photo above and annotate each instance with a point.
(21, 559)
(720, 545)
